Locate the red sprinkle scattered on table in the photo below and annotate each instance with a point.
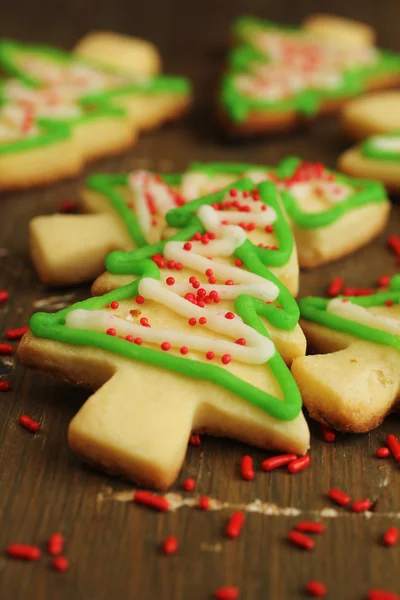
(235, 524)
(328, 433)
(391, 536)
(394, 446)
(339, 497)
(5, 386)
(246, 468)
(204, 503)
(316, 588)
(361, 505)
(60, 564)
(55, 544)
(189, 484)
(195, 440)
(269, 464)
(170, 545)
(16, 334)
(394, 243)
(384, 280)
(382, 595)
(383, 452)
(24, 552)
(29, 424)
(5, 349)
(335, 287)
(301, 540)
(310, 527)
(299, 464)
(4, 295)
(230, 592)
(358, 292)
(151, 500)
(67, 206)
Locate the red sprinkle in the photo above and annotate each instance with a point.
(202, 320)
(391, 536)
(277, 461)
(170, 281)
(226, 359)
(339, 497)
(229, 315)
(114, 304)
(389, 302)
(383, 452)
(189, 484)
(335, 287)
(187, 246)
(5, 386)
(165, 346)
(139, 299)
(67, 206)
(138, 341)
(235, 524)
(111, 331)
(192, 321)
(195, 440)
(55, 544)
(316, 588)
(382, 595)
(238, 262)
(184, 350)
(358, 292)
(60, 564)
(204, 503)
(246, 468)
(328, 433)
(151, 500)
(4, 295)
(301, 540)
(29, 424)
(394, 446)
(210, 355)
(299, 464)
(394, 243)
(5, 349)
(384, 280)
(230, 592)
(310, 527)
(361, 505)
(170, 545)
(24, 552)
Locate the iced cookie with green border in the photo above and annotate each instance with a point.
(117, 212)
(377, 157)
(278, 77)
(201, 348)
(354, 383)
(323, 207)
(373, 114)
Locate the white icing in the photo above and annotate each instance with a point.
(195, 184)
(359, 314)
(388, 143)
(16, 123)
(144, 185)
(331, 191)
(258, 349)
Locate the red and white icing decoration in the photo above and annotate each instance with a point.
(16, 123)
(45, 103)
(248, 346)
(195, 184)
(347, 310)
(313, 179)
(151, 197)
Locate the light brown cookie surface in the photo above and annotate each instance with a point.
(372, 114)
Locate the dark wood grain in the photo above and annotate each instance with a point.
(114, 546)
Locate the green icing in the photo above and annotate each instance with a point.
(367, 191)
(185, 219)
(314, 309)
(244, 58)
(107, 186)
(52, 326)
(49, 133)
(369, 148)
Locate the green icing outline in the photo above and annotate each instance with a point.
(368, 149)
(106, 186)
(52, 326)
(314, 309)
(244, 55)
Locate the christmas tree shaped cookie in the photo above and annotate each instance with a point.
(120, 212)
(255, 208)
(279, 76)
(102, 107)
(377, 157)
(198, 350)
(322, 206)
(355, 383)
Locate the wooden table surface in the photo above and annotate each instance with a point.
(113, 546)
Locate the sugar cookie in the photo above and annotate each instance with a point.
(67, 249)
(373, 114)
(145, 347)
(58, 96)
(279, 76)
(338, 30)
(378, 157)
(355, 383)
